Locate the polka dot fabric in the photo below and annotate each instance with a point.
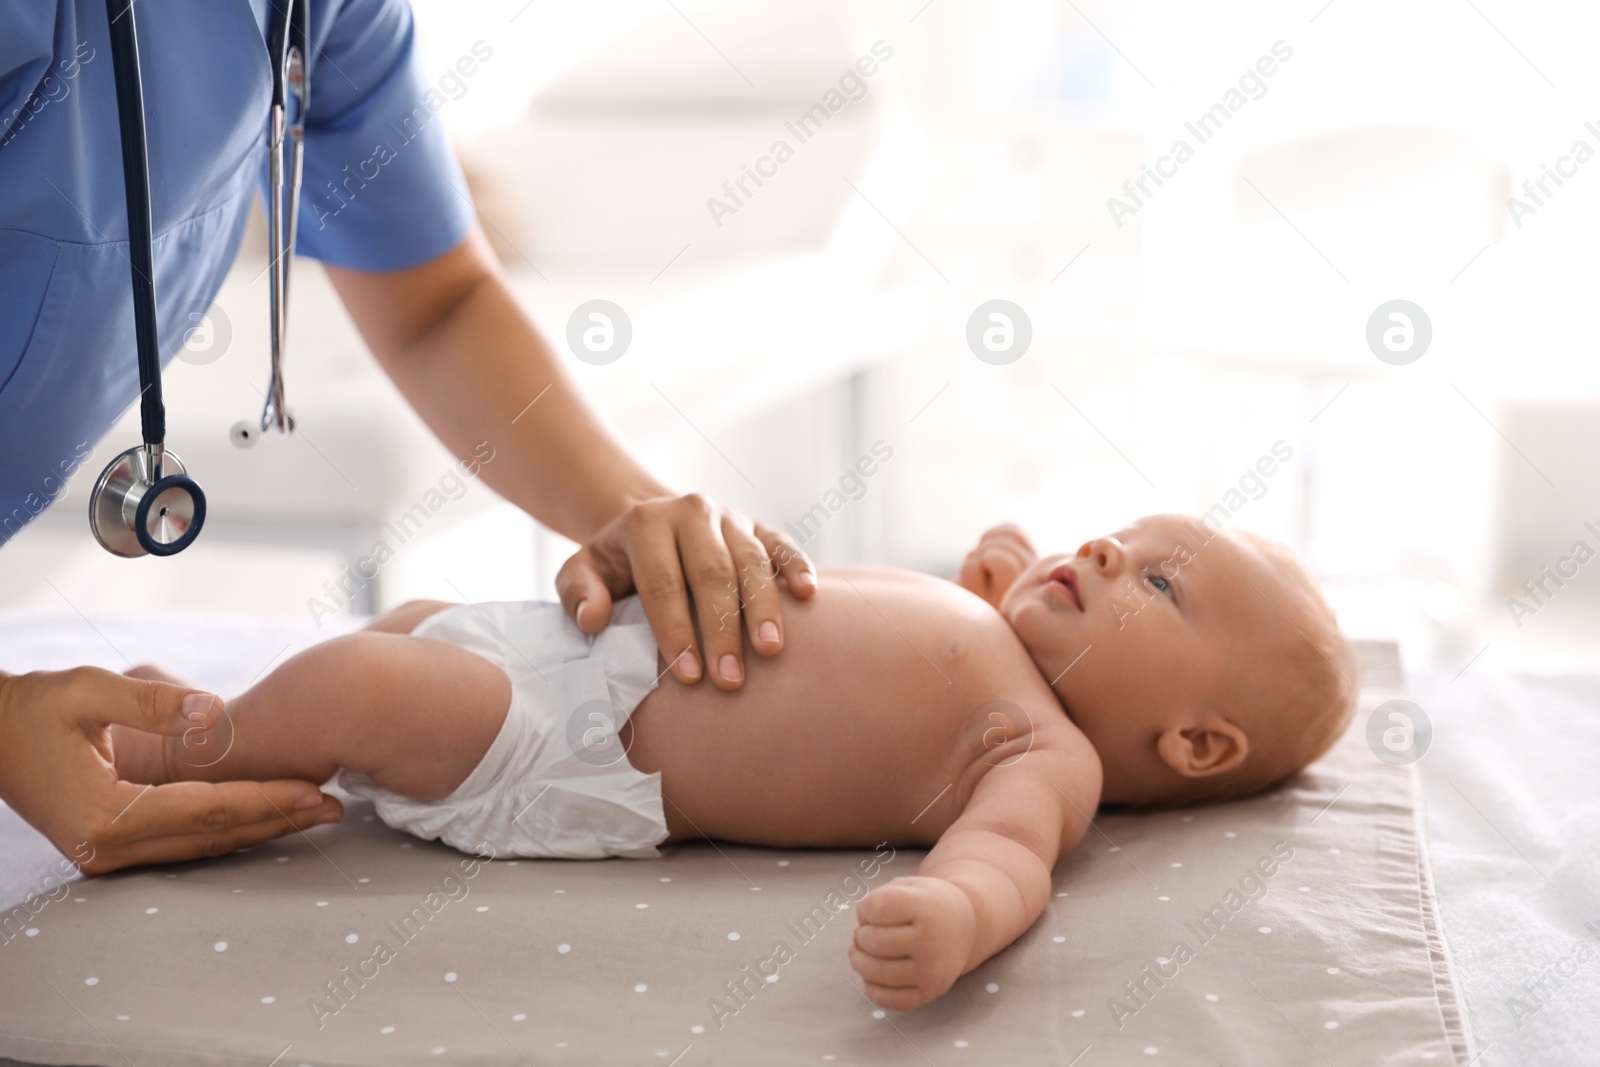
(1234, 933)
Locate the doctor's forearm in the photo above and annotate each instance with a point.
(474, 378)
(470, 361)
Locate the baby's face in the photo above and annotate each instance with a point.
(1138, 630)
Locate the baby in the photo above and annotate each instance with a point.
(1165, 664)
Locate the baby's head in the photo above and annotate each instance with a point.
(1202, 664)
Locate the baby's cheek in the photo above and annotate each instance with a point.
(1032, 621)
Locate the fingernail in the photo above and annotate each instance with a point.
(769, 632)
(689, 664)
(728, 665)
(577, 613)
(310, 800)
(327, 817)
(197, 705)
(808, 579)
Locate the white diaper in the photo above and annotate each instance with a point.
(555, 783)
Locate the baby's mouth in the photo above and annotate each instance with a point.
(1063, 582)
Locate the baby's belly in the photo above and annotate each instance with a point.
(847, 738)
(813, 764)
(871, 725)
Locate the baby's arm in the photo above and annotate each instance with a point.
(981, 886)
(413, 713)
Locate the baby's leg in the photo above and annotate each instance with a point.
(407, 617)
(414, 714)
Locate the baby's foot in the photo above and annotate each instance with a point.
(139, 756)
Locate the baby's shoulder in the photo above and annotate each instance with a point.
(1070, 761)
(1027, 733)
(1029, 776)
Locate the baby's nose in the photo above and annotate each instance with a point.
(1105, 553)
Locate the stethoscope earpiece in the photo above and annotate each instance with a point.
(243, 434)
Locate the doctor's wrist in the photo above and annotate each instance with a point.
(631, 497)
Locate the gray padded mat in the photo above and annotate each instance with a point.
(1334, 958)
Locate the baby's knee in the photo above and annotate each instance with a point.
(355, 687)
(417, 714)
(352, 670)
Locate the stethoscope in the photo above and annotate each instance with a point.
(144, 502)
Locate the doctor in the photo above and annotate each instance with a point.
(405, 253)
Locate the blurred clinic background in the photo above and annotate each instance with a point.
(1355, 153)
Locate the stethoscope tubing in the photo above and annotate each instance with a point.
(141, 236)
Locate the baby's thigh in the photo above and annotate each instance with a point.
(414, 714)
(406, 617)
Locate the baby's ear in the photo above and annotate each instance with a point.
(1214, 746)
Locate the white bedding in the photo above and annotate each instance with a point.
(1512, 787)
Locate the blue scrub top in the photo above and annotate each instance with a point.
(382, 192)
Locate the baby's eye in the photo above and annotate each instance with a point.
(1160, 583)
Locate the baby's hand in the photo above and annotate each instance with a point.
(1002, 554)
(914, 939)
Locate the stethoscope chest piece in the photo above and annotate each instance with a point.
(144, 503)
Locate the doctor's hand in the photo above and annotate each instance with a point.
(670, 548)
(58, 770)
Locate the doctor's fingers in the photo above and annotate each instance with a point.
(792, 562)
(94, 696)
(711, 564)
(587, 583)
(180, 848)
(757, 586)
(149, 672)
(193, 820)
(658, 578)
